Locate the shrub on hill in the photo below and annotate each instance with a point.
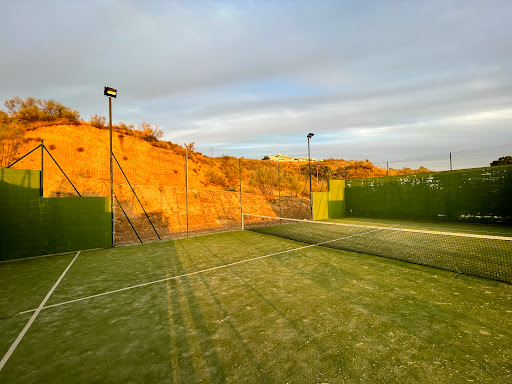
(33, 110)
(213, 176)
(265, 179)
(98, 121)
(502, 161)
(11, 139)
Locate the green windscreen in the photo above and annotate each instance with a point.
(480, 195)
(31, 225)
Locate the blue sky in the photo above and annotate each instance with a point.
(378, 80)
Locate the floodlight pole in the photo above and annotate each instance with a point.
(279, 187)
(310, 135)
(111, 169)
(110, 93)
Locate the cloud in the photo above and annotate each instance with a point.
(371, 79)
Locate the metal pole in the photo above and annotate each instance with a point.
(317, 176)
(279, 187)
(111, 170)
(310, 192)
(240, 181)
(186, 183)
(387, 168)
(41, 192)
(451, 168)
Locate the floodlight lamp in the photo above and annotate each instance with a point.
(110, 92)
(310, 135)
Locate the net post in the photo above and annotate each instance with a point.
(186, 184)
(240, 181)
(41, 185)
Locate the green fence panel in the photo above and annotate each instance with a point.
(480, 195)
(31, 225)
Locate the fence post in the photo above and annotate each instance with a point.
(387, 168)
(451, 168)
(41, 186)
(240, 181)
(186, 184)
(279, 187)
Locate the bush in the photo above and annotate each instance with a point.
(502, 161)
(33, 110)
(150, 133)
(98, 121)
(215, 177)
(265, 179)
(11, 139)
(4, 118)
(229, 168)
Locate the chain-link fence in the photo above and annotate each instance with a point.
(450, 161)
(162, 194)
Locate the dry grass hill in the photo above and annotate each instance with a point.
(156, 173)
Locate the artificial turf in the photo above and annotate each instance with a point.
(305, 316)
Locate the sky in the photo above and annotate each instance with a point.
(379, 80)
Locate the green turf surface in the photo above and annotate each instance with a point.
(307, 316)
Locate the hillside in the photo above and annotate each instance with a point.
(157, 175)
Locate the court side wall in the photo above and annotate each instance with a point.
(320, 205)
(31, 225)
(482, 195)
(337, 204)
(331, 204)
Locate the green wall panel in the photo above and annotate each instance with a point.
(337, 209)
(336, 199)
(480, 195)
(331, 204)
(31, 225)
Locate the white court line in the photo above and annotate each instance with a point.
(49, 255)
(41, 306)
(197, 272)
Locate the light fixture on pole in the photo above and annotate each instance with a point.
(310, 135)
(111, 93)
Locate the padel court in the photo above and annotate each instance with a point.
(249, 307)
(348, 299)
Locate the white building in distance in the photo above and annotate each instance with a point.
(280, 157)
